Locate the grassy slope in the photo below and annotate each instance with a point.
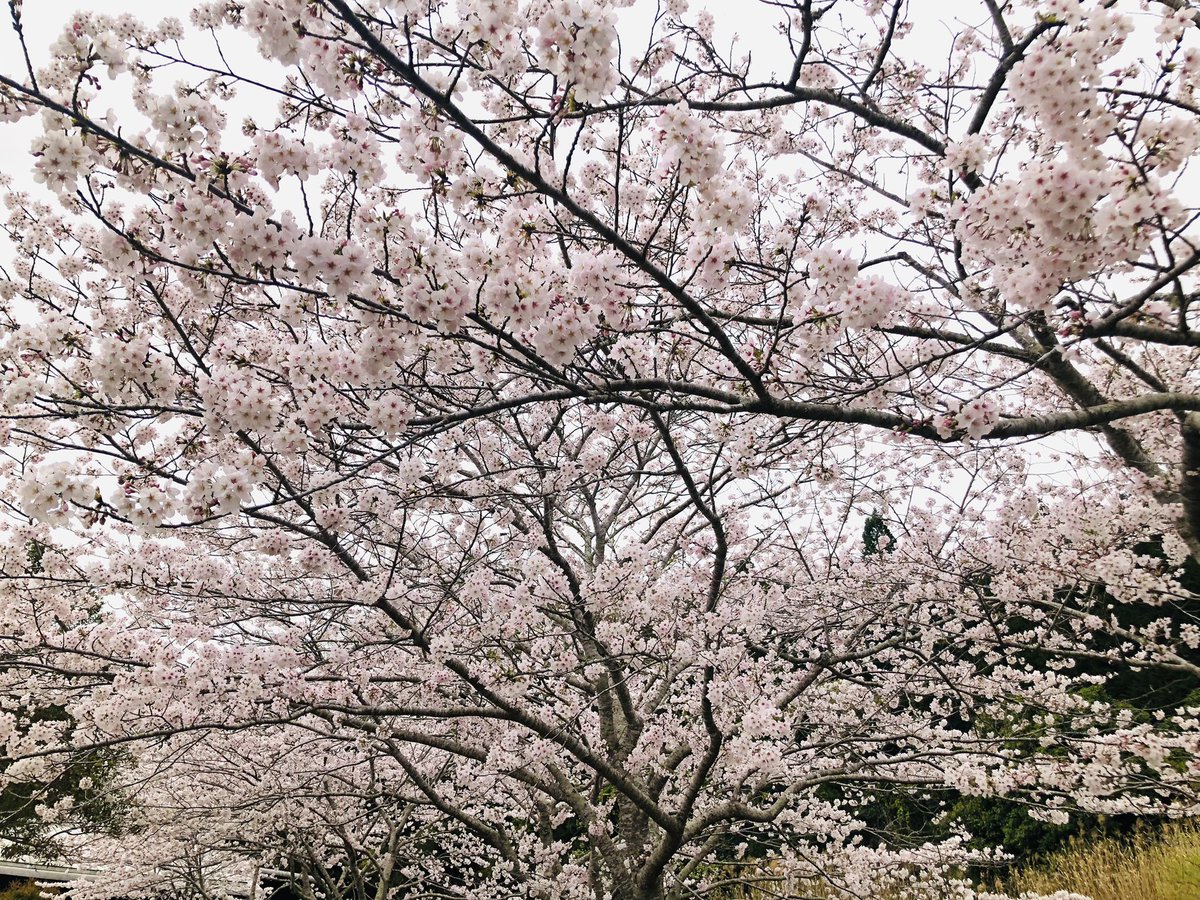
(1147, 867)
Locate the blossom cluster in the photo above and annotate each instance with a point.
(54, 492)
(278, 154)
(576, 41)
(341, 265)
(61, 159)
(975, 418)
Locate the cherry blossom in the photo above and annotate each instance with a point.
(558, 450)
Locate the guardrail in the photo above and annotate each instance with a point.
(47, 872)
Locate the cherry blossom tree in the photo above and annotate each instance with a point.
(453, 482)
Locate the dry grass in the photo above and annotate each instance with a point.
(1148, 866)
(25, 890)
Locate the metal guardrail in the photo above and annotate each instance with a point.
(47, 872)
